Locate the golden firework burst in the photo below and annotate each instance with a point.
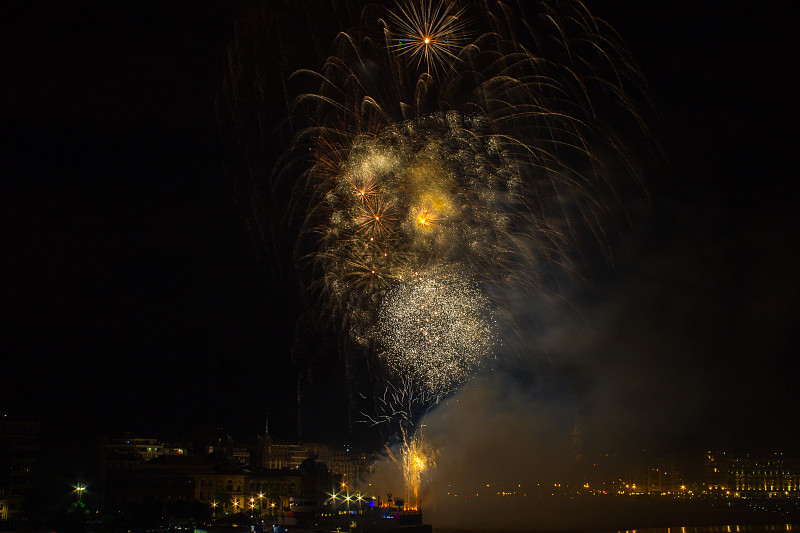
(429, 32)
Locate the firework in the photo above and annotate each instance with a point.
(437, 330)
(452, 151)
(429, 32)
(500, 163)
(416, 459)
(421, 196)
(441, 151)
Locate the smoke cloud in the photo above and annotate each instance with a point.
(663, 360)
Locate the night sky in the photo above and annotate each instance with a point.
(135, 299)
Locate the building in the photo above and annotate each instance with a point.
(351, 466)
(223, 490)
(772, 475)
(262, 477)
(660, 475)
(19, 448)
(143, 448)
(215, 480)
(283, 456)
(163, 480)
(263, 492)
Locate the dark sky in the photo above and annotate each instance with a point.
(134, 298)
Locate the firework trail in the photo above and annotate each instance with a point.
(404, 401)
(416, 459)
(442, 151)
(472, 142)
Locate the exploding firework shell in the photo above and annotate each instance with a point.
(430, 33)
(436, 330)
(439, 151)
(422, 194)
(504, 151)
(505, 162)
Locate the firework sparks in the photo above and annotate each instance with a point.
(501, 168)
(443, 151)
(430, 32)
(364, 188)
(436, 329)
(416, 459)
(404, 401)
(375, 219)
(425, 194)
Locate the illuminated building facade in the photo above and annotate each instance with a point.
(643, 473)
(261, 477)
(280, 456)
(753, 475)
(143, 448)
(227, 490)
(263, 491)
(348, 464)
(657, 475)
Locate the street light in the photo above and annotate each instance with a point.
(80, 488)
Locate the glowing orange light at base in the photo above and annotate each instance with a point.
(415, 460)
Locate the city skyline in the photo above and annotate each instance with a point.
(143, 481)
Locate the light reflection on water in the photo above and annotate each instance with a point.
(719, 529)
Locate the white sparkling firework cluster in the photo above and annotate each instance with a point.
(436, 329)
